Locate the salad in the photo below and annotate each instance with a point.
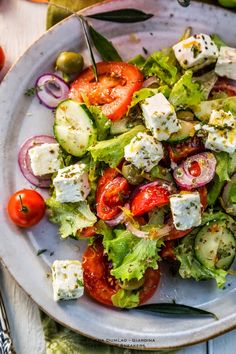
(142, 164)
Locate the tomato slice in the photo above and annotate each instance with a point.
(174, 234)
(98, 281)
(87, 232)
(101, 285)
(203, 196)
(151, 282)
(186, 148)
(148, 197)
(117, 81)
(112, 191)
(225, 85)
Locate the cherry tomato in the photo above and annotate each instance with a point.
(101, 285)
(148, 197)
(112, 190)
(26, 207)
(2, 58)
(167, 251)
(117, 81)
(225, 85)
(186, 148)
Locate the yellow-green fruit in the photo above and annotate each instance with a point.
(70, 62)
(227, 3)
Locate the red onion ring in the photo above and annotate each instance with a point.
(207, 162)
(119, 219)
(135, 231)
(24, 160)
(45, 93)
(150, 81)
(162, 232)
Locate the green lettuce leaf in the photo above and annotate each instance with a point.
(222, 166)
(70, 217)
(190, 267)
(138, 61)
(112, 151)
(214, 190)
(130, 255)
(160, 64)
(186, 92)
(103, 124)
(218, 41)
(125, 299)
(147, 92)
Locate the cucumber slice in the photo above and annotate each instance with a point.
(74, 128)
(187, 130)
(123, 125)
(215, 246)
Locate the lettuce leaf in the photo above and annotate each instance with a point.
(130, 255)
(190, 267)
(147, 92)
(103, 124)
(70, 217)
(218, 41)
(222, 166)
(125, 299)
(112, 151)
(138, 61)
(186, 92)
(161, 65)
(203, 110)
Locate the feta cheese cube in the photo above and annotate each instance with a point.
(144, 152)
(44, 159)
(67, 280)
(186, 210)
(160, 117)
(72, 184)
(226, 63)
(221, 132)
(196, 52)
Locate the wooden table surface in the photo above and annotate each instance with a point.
(21, 22)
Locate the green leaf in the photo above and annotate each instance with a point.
(147, 92)
(125, 299)
(41, 251)
(112, 151)
(104, 47)
(71, 217)
(86, 28)
(160, 64)
(176, 309)
(103, 124)
(232, 193)
(138, 61)
(222, 166)
(185, 92)
(122, 16)
(218, 41)
(214, 190)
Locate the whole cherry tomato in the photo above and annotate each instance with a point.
(26, 208)
(117, 81)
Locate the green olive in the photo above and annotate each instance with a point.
(132, 284)
(70, 62)
(132, 174)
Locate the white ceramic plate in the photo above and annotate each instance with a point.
(22, 117)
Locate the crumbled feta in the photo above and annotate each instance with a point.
(196, 52)
(221, 132)
(186, 210)
(160, 117)
(226, 63)
(44, 159)
(72, 184)
(144, 152)
(67, 280)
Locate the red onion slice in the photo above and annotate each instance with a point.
(152, 80)
(157, 234)
(24, 160)
(207, 163)
(119, 219)
(135, 231)
(51, 90)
